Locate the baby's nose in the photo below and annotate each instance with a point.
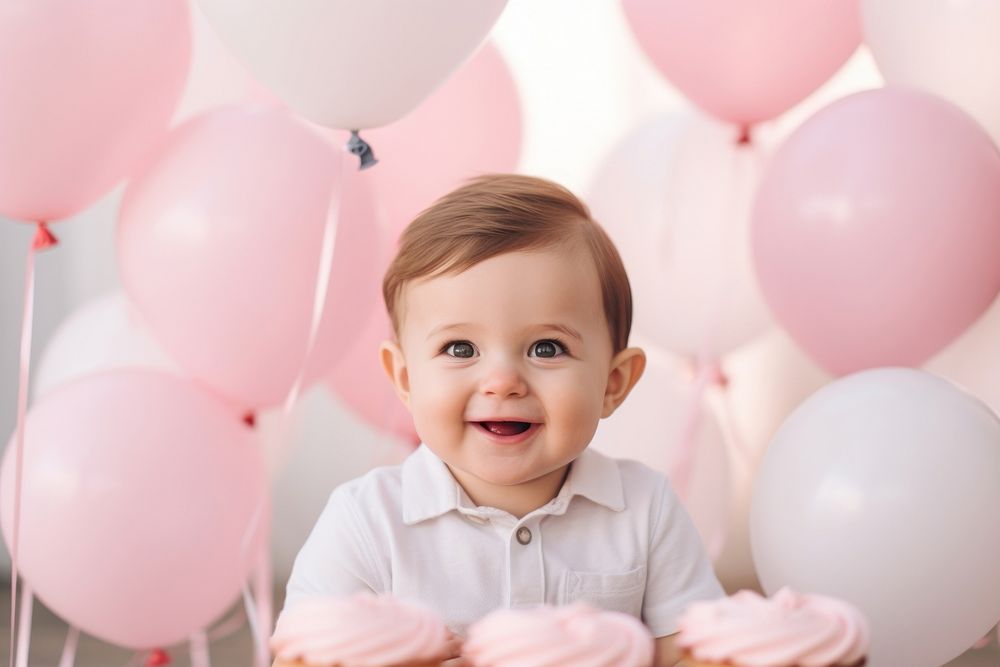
(503, 380)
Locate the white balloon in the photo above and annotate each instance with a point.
(102, 334)
(647, 428)
(352, 64)
(675, 197)
(947, 47)
(883, 488)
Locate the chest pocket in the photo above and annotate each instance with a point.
(609, 591)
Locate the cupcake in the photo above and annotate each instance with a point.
(363, 630)
(574, 636)
(788, 630)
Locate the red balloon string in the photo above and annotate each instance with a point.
(43, 239)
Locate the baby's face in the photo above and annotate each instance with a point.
(507, 363)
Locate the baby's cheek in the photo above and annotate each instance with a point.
(437, 410)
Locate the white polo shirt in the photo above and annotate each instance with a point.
(616, 537)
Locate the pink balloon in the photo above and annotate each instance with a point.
(470, 126)
(746, 61)
(88, 89)
(876, 231)
(138, 490)
(359, 382)
(220, 244)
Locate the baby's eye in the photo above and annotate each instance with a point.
(461, 349)
(547, 349)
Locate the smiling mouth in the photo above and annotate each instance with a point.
(505, 428)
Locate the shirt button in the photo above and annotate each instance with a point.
(523, 535)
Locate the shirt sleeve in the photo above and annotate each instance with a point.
(338, 558)
(679, 570)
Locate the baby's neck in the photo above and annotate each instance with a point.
(519, 500)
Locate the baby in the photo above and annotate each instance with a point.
(511, 311)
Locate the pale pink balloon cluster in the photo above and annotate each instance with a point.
(873, 229)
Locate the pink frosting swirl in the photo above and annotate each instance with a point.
(363, 630)
(574, 636)
(789, 629)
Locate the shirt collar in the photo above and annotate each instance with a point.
(429, 489)
(597, 478)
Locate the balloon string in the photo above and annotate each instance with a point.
(263, 577)
(24, 632)
(229, 625)
(68, 658)
(260, 653)
(708, 373)
(986, 639)
(322, 279)
(732, 428)
(261, 614)
(199, 650)
(43, 239)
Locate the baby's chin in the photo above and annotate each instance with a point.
(511, 473)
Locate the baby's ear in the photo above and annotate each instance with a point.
(626, 369)
(395, 367)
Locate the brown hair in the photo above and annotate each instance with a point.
(500, 213)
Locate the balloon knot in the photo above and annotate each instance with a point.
(358, 146)
(744, 138)
(716, 375)
(708, 371)
(250, 419)
(43, 238)
(157, 658)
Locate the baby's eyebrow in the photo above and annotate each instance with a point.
(566, 329)
(446, 327)
(569, 331)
